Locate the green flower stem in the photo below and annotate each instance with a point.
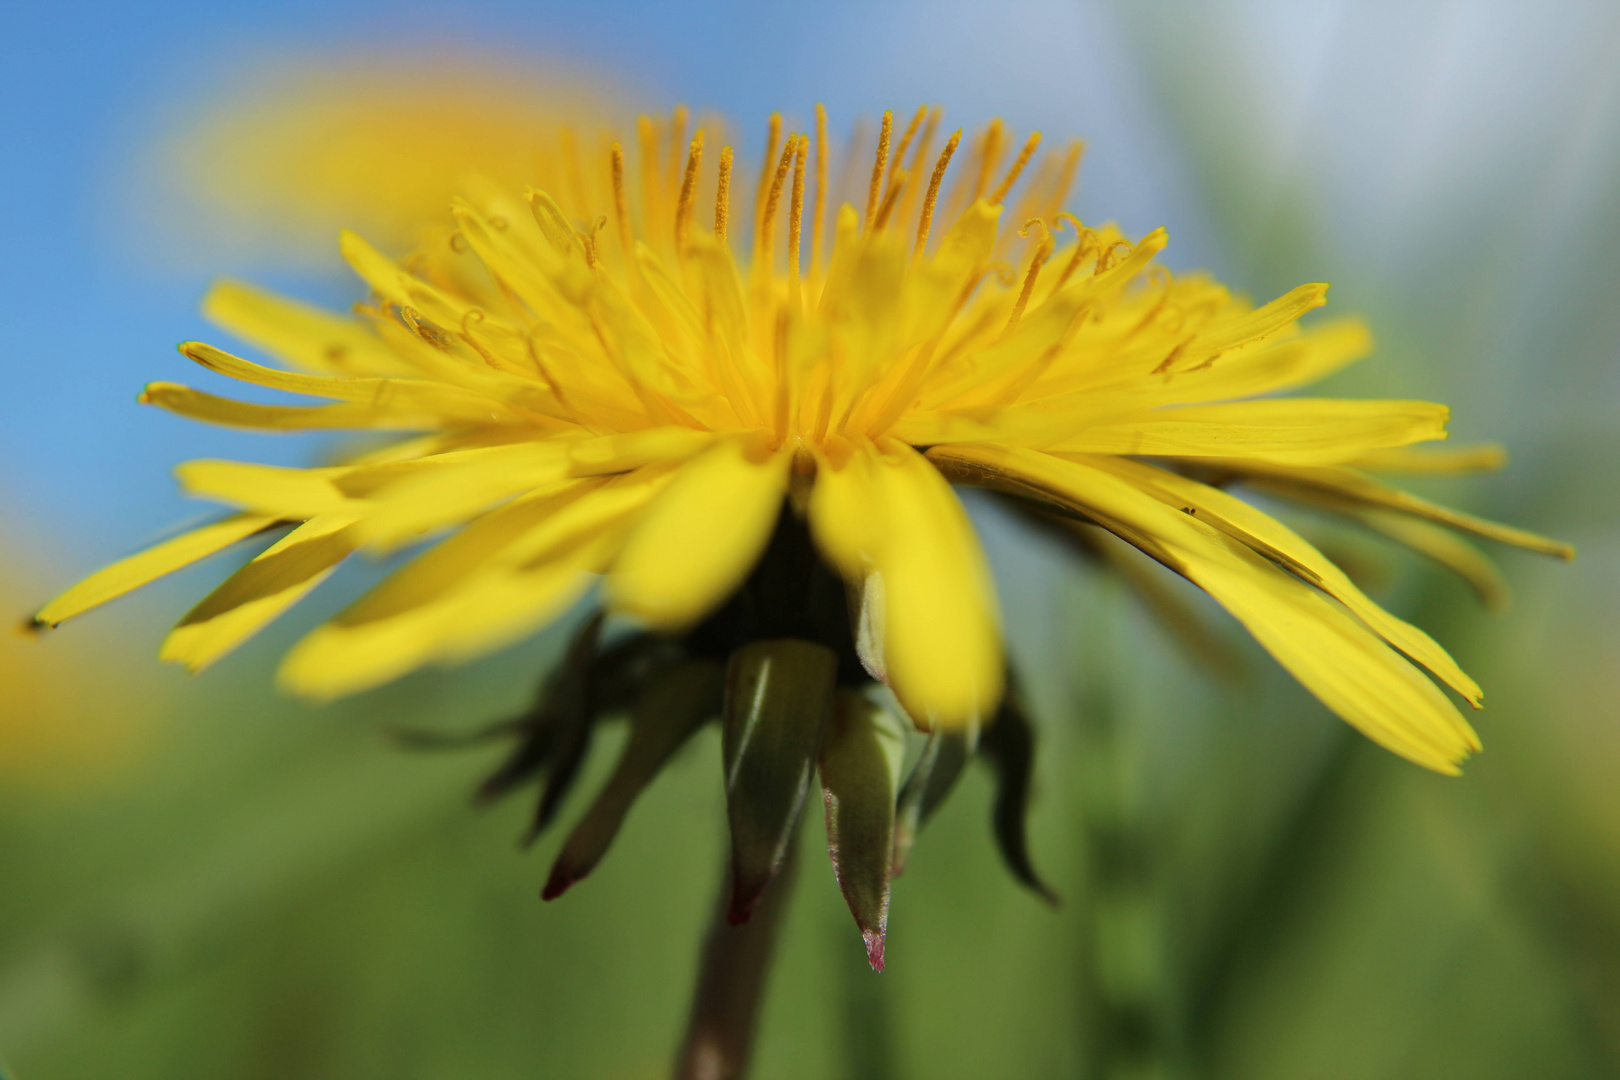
(731, 981)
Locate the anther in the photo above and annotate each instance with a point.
(683, 205)
(989, 154)
(796, 217)
(621, 207)
(927, 219)
(722, 194)
(1086, 241)
(899, 159)
(763, 242)
(1036, 261)
(773, 139)
(818, 208)
(876, 189)
(1011, 178)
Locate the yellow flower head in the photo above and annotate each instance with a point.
(603, 379)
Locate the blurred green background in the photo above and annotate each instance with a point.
(200, 879)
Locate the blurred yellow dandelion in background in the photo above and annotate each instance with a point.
(605, 385)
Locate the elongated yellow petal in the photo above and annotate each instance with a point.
(253, 596)
(1339, 487)
(702, 536)
(1272, 538)
(500, 577)
(299, 334)
(267, 489)
(1436, 461)
(1444, 547)
(942, 642)
(196, 405)
(846, 516)
(1350, 670)
(633, 449)
(1301, 430)
(129, 574)
(416, 504)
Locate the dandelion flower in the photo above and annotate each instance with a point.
(741, 412)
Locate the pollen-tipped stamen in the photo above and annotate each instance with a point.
(722, 194)
(989, 154)
(818, 206)
(796, 219)
(1018, 164)
(1036, 261)
(621, 207)
(773, 139)
(683, 204)
(926, 221)
(874, 191)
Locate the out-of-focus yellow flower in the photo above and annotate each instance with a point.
(605, 382)
(374, 143)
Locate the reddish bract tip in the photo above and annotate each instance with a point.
(874, 948)
(561, 879)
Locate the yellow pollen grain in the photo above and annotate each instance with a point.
(722, 194)
(875, 190)
(818, 208)
(1013, 173)
(773, 139)
(1036, 261)
(683, 205)
(767, 221)
(796, 217)
(647, 135)
(927, 220)
(989, 154)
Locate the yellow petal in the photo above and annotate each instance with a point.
(1273, 539)
(1444, 547)
(304, 336)
(1343, 664)
(267, 489)
(196, 405)
(418, 503)
(633, 449)
(1297, 430)
(845, 512)
(506, 573)
(253, 596)
(942, 644)
(1437, 461)
(129, 574)
(1338, 487)
(703, 535)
